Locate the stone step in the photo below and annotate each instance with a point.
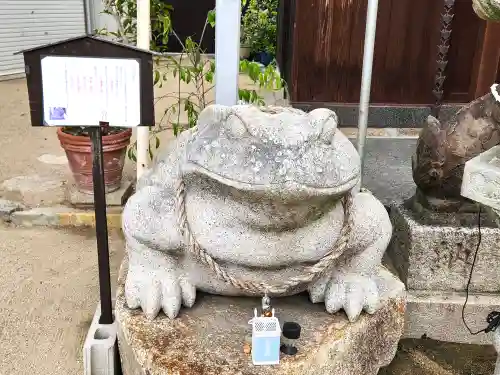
(429, 357)
(438, 316)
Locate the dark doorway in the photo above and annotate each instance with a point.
(188, 18)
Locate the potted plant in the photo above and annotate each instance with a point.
(260, 24)
(245, 46)
(78, 147)
(488, 10)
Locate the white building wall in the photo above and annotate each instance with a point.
(97, 19)
(30, 23)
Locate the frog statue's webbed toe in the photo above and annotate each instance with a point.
(351, 285)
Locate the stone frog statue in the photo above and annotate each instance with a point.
(251, 202)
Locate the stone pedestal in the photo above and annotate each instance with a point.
(432, 254)
(208, 339)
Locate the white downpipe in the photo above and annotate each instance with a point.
(227, 51)
(143, 39)
(366, 80)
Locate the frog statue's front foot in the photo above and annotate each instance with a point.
(351, 284)
(253, 201)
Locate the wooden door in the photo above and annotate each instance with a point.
(328, 43)
(188, 19)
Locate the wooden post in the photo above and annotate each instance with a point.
(101, 225)
(488, 60)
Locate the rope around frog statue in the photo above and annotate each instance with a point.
(310, 273)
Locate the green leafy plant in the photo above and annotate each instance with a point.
(259, 26)
(193, 73)
(125, 14)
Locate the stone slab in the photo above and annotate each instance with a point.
(435, 251)
(208, 339)
(45, 216)
(62, 216)
(34, 190)
(438, 315)
(116, 198)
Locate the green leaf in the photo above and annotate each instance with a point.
(157, 144)
(244, 95)
(243, 66)
(175, 128)
(157, 77)
(197, 57)
(131, 154)
(209, 77)
(211, 17)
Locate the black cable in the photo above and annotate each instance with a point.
(493, 318)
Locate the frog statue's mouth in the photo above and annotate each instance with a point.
(278, 152)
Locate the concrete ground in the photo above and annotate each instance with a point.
(48, 297)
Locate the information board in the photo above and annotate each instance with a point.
(86, 91)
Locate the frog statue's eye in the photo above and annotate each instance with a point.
(327, 122)
(211, 115)
(236, 126)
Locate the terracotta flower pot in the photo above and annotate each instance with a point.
(244, 52)
(488, 10)
(79, 153)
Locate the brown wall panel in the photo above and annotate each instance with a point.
(328, 43)
(466, 40)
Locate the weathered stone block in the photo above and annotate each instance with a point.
(438, 315)
(435, 251)
(208, 339)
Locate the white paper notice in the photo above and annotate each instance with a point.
(83, 91)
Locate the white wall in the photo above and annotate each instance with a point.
(30, 23)
(99, 20)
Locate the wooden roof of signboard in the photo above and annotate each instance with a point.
(87, 46)
(77, 40)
